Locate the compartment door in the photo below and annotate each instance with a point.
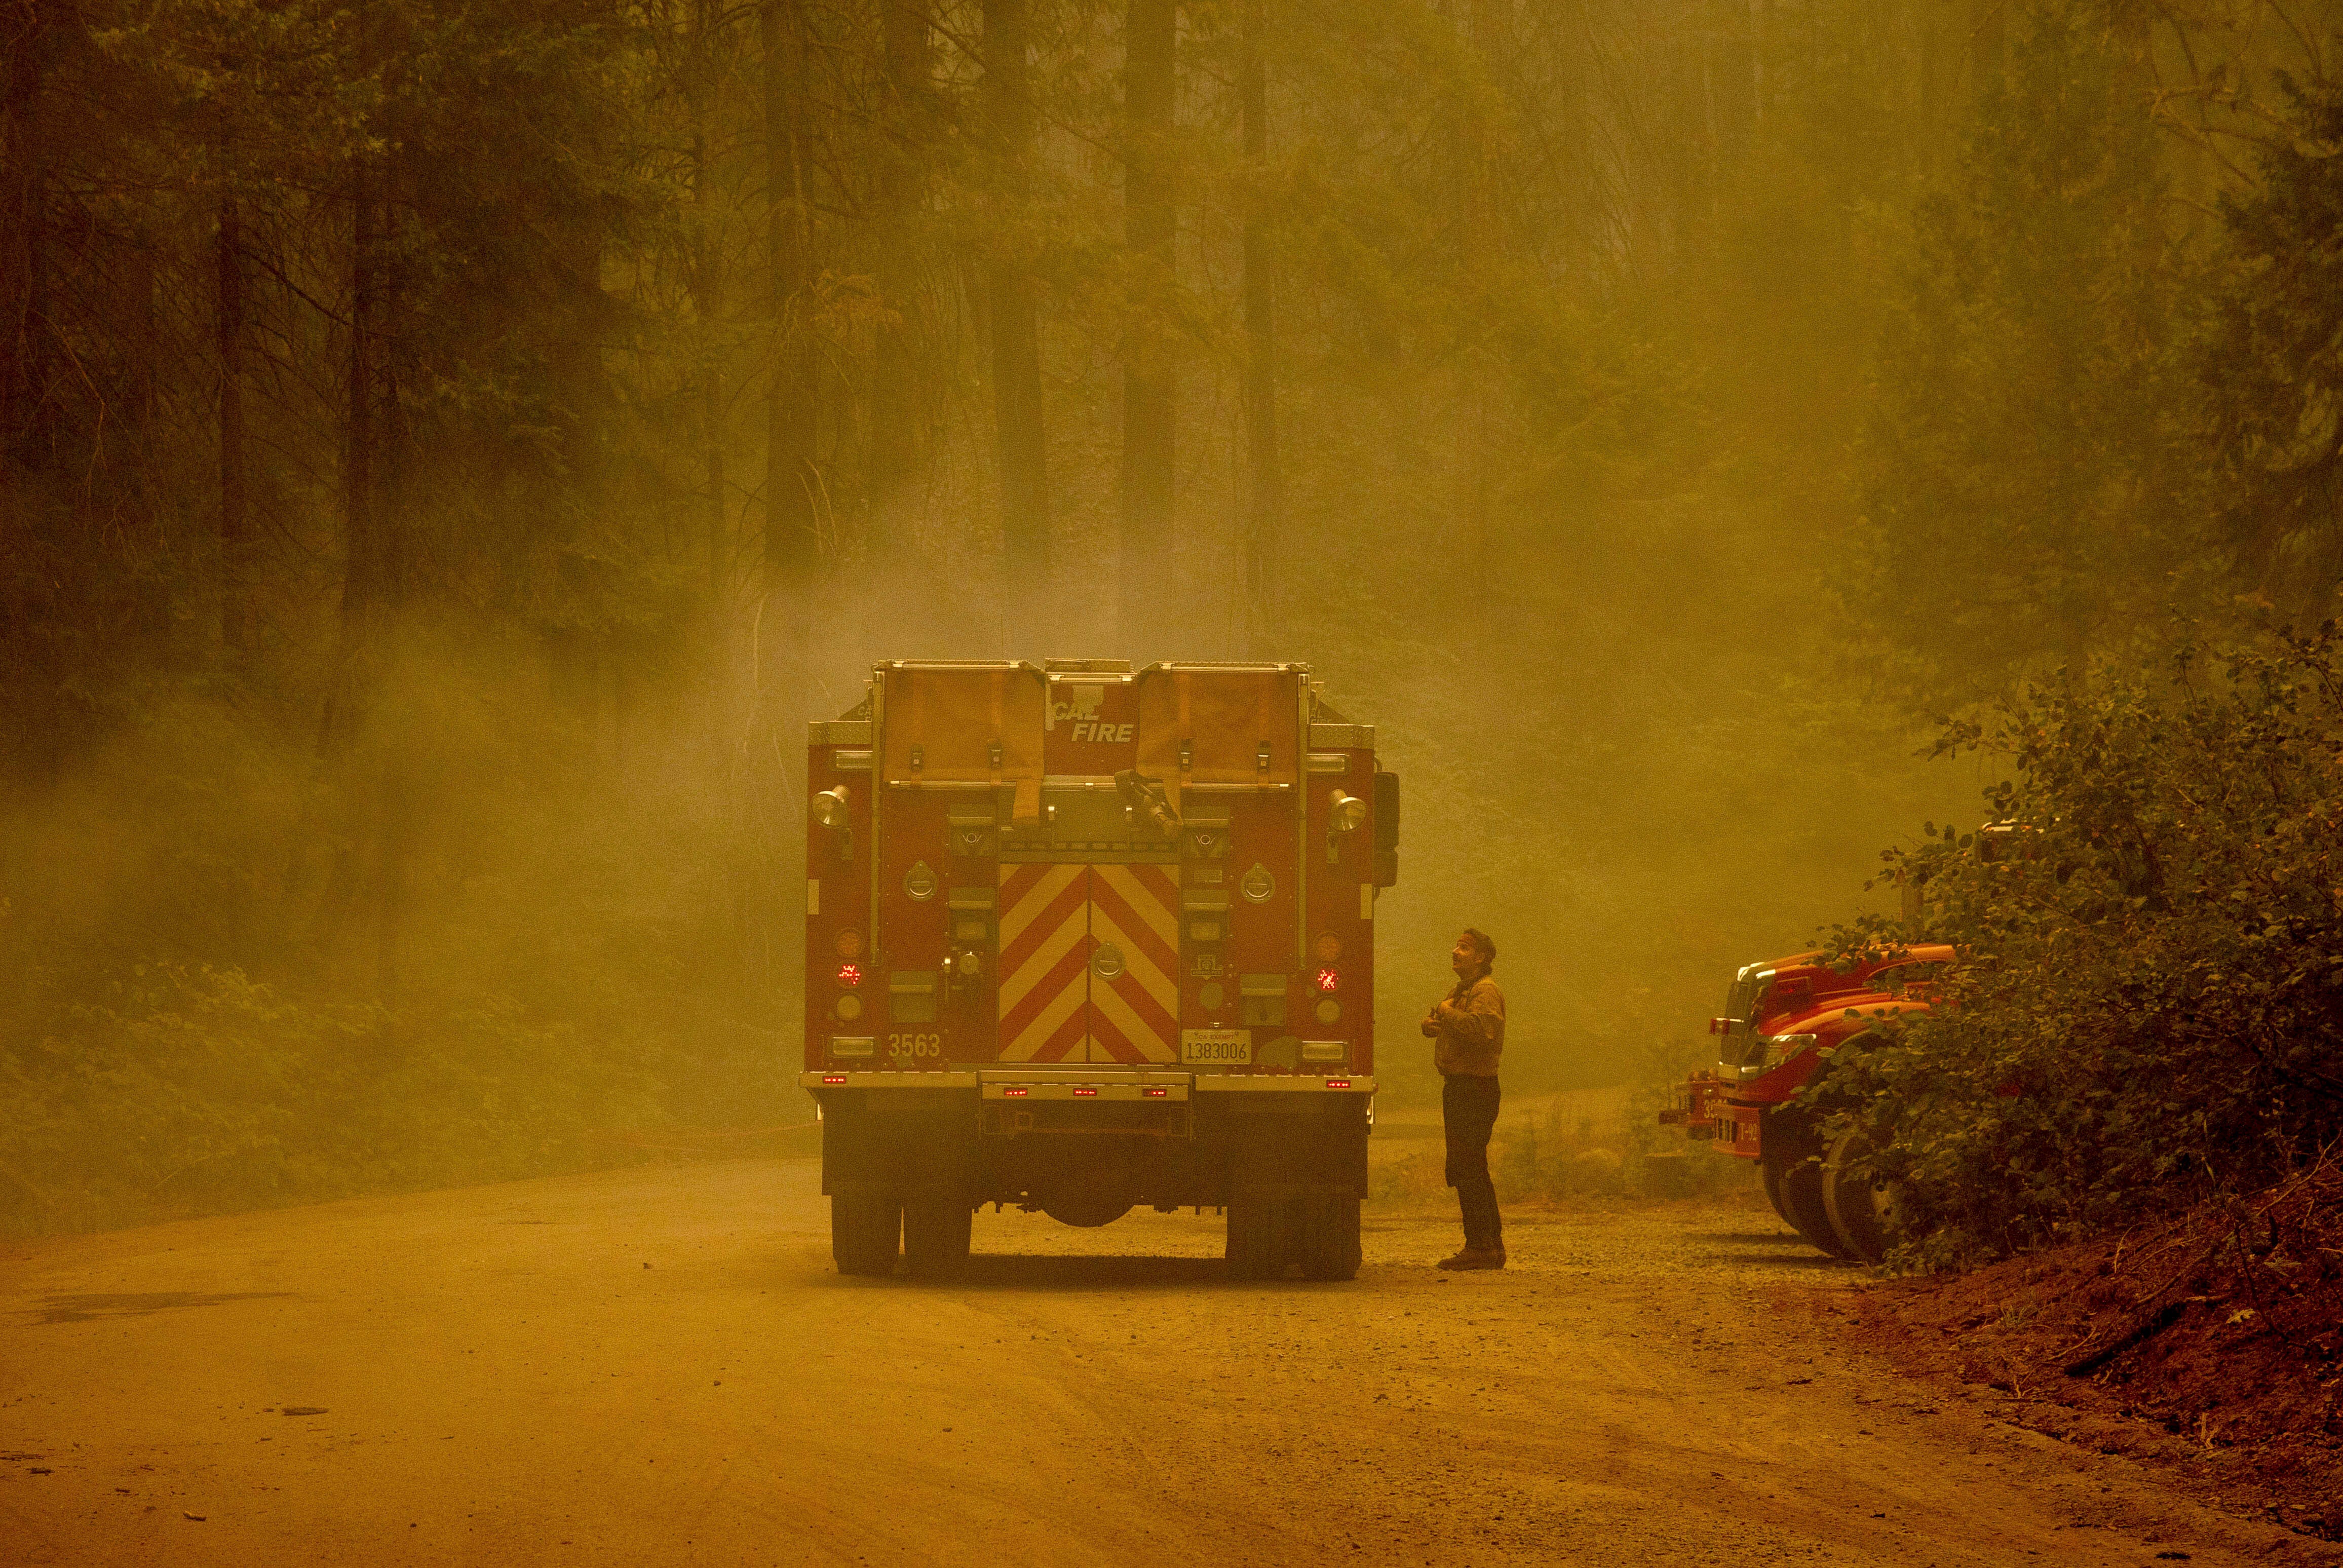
(1090, 963)
(1045, 959)
(1134, 921)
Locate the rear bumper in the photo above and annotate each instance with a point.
(1155, 1134)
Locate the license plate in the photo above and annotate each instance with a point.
(1216, 1047)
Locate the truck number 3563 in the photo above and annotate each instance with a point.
(905, 1045)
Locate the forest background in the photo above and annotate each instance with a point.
(448, 448)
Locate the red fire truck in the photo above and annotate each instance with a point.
(1081, 938)
(1783, 1023)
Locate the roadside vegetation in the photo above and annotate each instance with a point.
(2145, 1009)
(2125, 1110)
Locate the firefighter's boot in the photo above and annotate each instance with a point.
(1477, 1257)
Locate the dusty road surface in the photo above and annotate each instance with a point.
(657, 1367)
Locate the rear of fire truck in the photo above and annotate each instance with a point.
(1783, 1023)
(1081, 938)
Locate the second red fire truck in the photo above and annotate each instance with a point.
(1783, 1023)
(1081, 938)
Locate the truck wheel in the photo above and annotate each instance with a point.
(1790, 1146)
(863, 1229)
(1802, 1202)
(936, 1235)
(1771, 1180)
(1330, 1235)
(1252, 1249)
(1861, 1212)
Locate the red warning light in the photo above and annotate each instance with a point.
(1329, 979)
(1086, 1093)
(833, 1078)
(1016, 1094)
(850, 974)
(1338, 1083)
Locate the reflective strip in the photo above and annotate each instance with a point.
(1277, 1083)
(887, 1079)
(1045, 952)
(1135, 1015)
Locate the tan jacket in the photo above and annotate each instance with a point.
(1468, 1029)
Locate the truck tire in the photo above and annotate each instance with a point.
(1254, 1247)
(1329, 1234)
(1771, 1180)
(865, 1224)
(936, 1230)
(1862, 1211)
(1788, 1144)
(1802, 1201)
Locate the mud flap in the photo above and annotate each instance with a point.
(864, 1225)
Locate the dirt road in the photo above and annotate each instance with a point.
(657, 1367)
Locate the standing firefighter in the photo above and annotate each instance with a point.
(1468, 1032)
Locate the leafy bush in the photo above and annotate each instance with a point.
(2150, 991)
(195, 1089)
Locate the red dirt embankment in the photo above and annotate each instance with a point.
(2212, 1341)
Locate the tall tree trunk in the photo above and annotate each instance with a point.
(1987, 30)
(793, 494)
(897, 418)
(356, 866)
(361, 514)
(1483, 258)
(33, 659)
(1150, 405)
(796, 509)
(234, 519)
(26, 25)
(708, 305)
(1017, 413)
(1265, 499)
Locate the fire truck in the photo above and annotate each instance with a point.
(1080, 938)
(1784, 1022)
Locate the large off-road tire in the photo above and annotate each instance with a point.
(936, 1229)
(1771, 1180)
(1329, 1235)
(865, 1224)
(1254, 1249)
(1788, 1144)
(1862, 1211)
(1802, 1201)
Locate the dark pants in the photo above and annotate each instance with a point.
(1468, 1111)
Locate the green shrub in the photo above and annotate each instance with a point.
(2149, 995)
